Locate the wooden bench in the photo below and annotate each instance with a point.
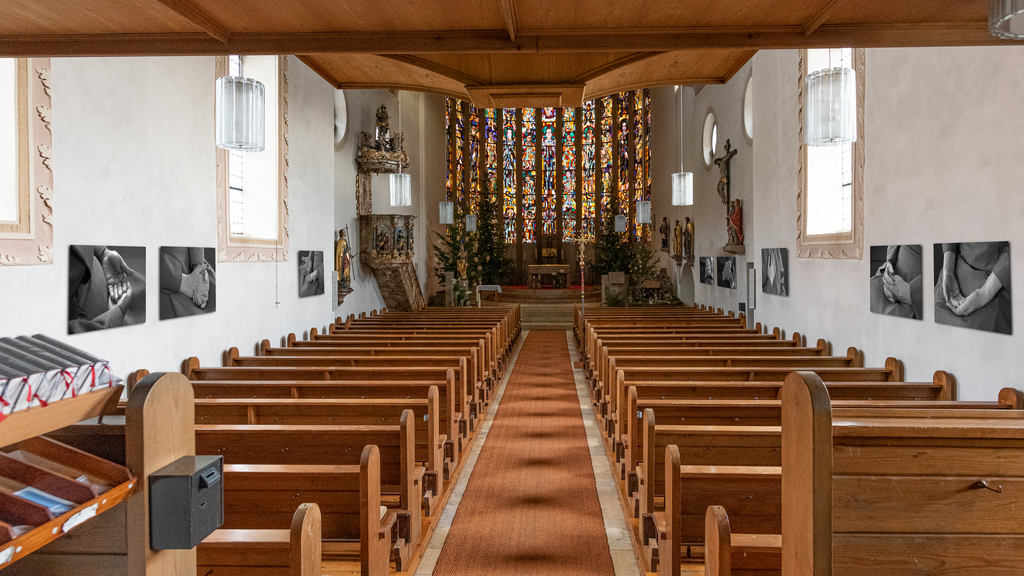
(898, 495)
(493, 358)
(328, 445)
(736, 554)
(349, 411)
(270, 552)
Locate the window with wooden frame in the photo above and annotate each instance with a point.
(26, 178)
(252, 187)
(830, 201)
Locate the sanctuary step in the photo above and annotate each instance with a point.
(524, 295)
(547, 316)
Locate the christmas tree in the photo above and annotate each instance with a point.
(456, 242)
(495, 265)
(611, 251)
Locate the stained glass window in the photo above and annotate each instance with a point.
(549, 120)
(551, 186)
(588, 197)
(529, 209)
(568, 174)
(509, 172)
(447, 143)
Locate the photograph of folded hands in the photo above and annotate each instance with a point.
(188, 281)
(106, 287)
(972, 286)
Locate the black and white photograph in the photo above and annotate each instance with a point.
(106, 287)
(774, 271)
(972, 286)
(707, 270)
(727, 272)
(311, 273)
(896, 280)
(188, 281)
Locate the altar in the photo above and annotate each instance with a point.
(558, 272)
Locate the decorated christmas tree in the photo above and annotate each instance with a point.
(611, 251)
(495, 265)
(457, 254)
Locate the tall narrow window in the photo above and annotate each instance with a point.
(529, 174)
(568, 174)
(491, 150)
(831, 202)
(549, 119)
(589, 168)
(460, 181)
(474, 160)
(9, 138)
(639, 180)
(607, 160)
(252, 220)
(510, 174)
(624, 102)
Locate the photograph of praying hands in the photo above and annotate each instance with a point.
(311, 273)
(895, 284)
(106, 287)
(188, 281)
(972, 286)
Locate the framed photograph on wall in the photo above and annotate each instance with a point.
(188, 281)
(775, 271)
(106, 287)
(707, 270)
(972, 286)
(895, 280)
(311, 273)
(727, 272)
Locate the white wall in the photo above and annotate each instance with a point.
(943, 164)
(134, 165)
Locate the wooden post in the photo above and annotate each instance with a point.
(718, 538)
(306, 547)
(160, 428)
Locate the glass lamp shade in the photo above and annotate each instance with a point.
(447, 212)
(620, 223)
(470, 222)
(241, 114)
(643, 212)
(1006, 19)
(682, 189)
(830, 109)
(401, 190)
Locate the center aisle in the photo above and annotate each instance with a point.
(531, 504)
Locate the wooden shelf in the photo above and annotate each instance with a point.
(29, 459)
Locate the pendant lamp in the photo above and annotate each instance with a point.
(447, 212)
(643, 212)
(241, 114)
(620, 223)
(401, 184)
(682, 181)
(470, 222)
(1006, 19)
(830, 108)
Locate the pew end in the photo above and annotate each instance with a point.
(857, 357)
(895, 368)
(825, 347)
(188, 366)
(1012, 397)
(289, 340)
(949, 387)
(229, 357)
(727, 552)
(134, 378)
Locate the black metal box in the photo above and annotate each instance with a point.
(186, 502)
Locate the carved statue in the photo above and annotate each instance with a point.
(723, 168)
(383, 128)
(461, 264)
(664, 228)
(735, 222)
(343, 261)
(677, 240)
(688, 239)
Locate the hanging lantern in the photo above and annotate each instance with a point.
(620, 223)
(470, 222)
(1006, 19)
(241, 116)
(643, 212)
(830, 108)
(682, 189)
(401, 190)
(447, 212)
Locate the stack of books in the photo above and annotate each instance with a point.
(37, 370)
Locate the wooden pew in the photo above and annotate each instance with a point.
(494, 359)
(273, 552)
(898, 495)
(348, 411)
(328, 445)
(737, 554)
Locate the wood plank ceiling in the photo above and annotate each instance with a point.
(492, 52)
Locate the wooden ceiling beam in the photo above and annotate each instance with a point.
(201, 19)
(819, 17)
(511, 17)
(496, 41)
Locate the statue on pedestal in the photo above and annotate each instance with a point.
(677, 243)
(664, 229)
(688, 239)
(734, 223)
(343, 264)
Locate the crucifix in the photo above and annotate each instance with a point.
(733, 208)
(723, 167)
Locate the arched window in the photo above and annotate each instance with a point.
(557, 170)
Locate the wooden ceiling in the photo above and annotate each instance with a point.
(493, 52)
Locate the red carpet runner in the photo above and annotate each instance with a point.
(531, 504)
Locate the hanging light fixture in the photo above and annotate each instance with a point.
(682, 181)
(830, 107)
(643, 211)
(401, 184)
(470, 222)
(447, 212)
(1006, 19)
(620, 223)
(241, 112)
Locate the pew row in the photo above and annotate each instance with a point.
(270, 552)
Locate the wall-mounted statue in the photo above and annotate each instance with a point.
(664, 229)
(734, 208)
(677, 243)
(343, 264)
(734, 223)
(688, 240)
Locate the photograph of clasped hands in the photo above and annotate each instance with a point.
(972, 286)
(188, 281)
(896, 280)
(106, 287)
